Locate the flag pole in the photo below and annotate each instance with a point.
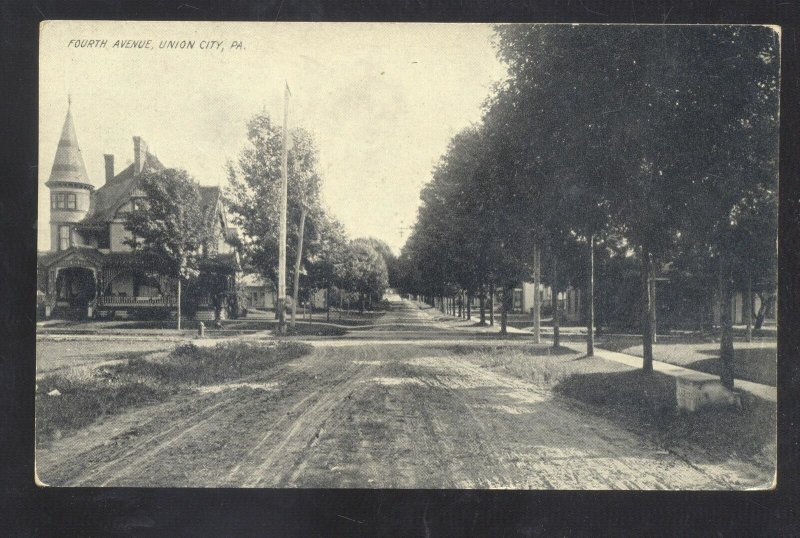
(284, 198)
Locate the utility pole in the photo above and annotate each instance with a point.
(590, 302)
(537, 307)
(284, 203)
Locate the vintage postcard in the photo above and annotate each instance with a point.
(462, 256)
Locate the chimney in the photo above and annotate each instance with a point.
(109, 167)
(139, 154)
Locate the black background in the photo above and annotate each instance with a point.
(27, 510)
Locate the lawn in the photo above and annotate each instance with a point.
(189, 327)
(68, 402)
(64, 353)
(755, 361)
(644, 403)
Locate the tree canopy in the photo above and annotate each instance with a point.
(657, 143)
(168, 225)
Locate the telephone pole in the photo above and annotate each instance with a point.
(284, 203)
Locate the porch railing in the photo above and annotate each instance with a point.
(135, 301)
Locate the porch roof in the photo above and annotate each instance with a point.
(97, 259)
(93, 256)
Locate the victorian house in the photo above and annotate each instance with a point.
(90, 270)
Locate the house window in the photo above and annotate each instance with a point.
(63, 200)
(64, 237)
(517, 299)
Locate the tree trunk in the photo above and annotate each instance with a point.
(482, 306)
(647, 336)
(554, 302)
(504, 309)
(590, 301)
(360, 303)
(726, 325)
(297, 260)
(748, 306)
(766, 304)
(179, 303)
(537, 303)
(491, 305)
(653, 302)
(328, 303)
(469, 305)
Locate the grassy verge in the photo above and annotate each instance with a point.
(644, 403)
(756, 362)
(82, 398)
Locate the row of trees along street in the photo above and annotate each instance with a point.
(172, 230)
(611, 155)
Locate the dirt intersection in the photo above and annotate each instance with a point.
(367, 412)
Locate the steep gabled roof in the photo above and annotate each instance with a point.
(107, 199)
(68, 163)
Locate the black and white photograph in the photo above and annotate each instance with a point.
(407, 256)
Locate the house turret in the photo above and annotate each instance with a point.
(70, 188)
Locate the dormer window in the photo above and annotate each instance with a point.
(138, 204)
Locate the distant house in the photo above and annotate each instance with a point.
(257, 292)
(569, 301)
(89, 271)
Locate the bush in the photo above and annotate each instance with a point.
(190, 364)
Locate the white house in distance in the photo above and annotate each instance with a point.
(258, 293)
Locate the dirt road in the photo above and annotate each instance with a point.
(370, 411)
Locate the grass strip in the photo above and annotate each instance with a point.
(641, 402)
(68, 402)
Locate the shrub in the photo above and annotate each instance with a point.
(190, 364)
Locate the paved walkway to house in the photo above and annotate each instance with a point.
(762, 391)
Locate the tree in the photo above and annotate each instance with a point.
(365, 271)
(327, 268)
(253, 196)
(307, 182)
(648, 130)
(388, 256)
(169, 228)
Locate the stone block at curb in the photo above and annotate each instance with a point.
(697, 392)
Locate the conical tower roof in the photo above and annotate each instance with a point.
(68, 164)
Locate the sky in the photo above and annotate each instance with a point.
(382, 100)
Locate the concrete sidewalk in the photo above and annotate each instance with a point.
(762, 391)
